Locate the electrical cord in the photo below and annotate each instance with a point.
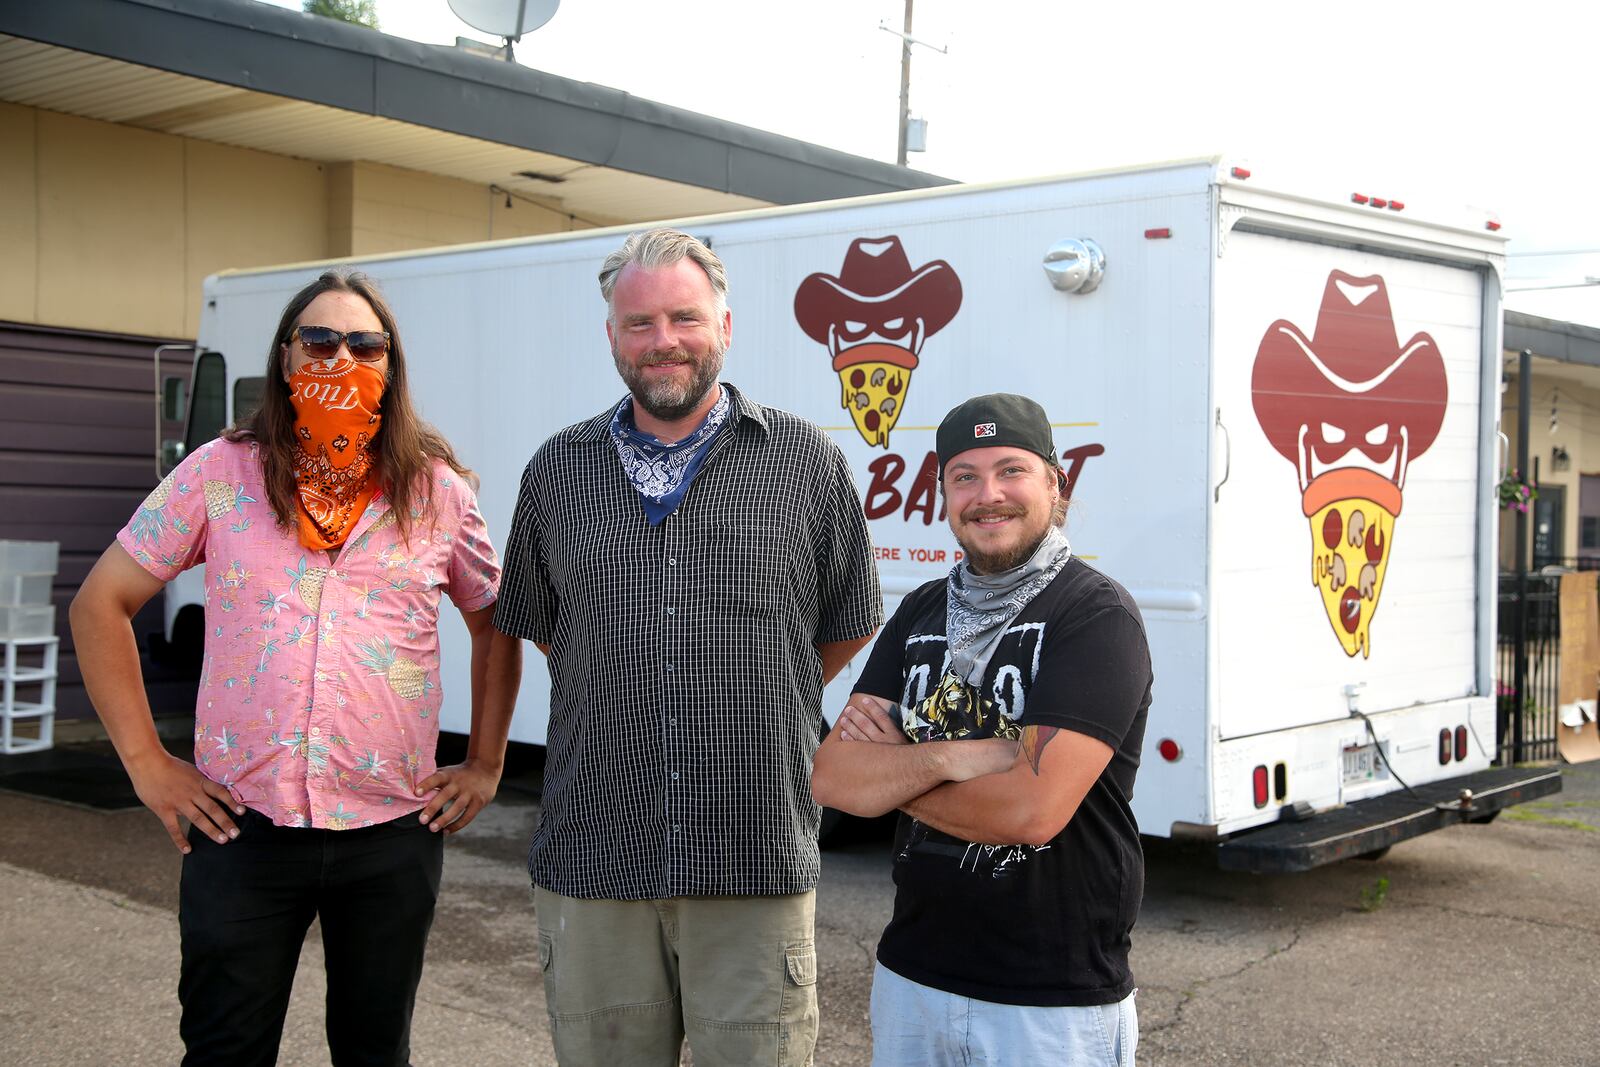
(1377, 747)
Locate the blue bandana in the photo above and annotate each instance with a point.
(663, 473)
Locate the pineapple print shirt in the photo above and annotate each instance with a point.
(319, 698)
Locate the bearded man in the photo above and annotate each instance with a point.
(1002, 712)
(696, 567)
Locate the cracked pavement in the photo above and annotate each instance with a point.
(1472, 946)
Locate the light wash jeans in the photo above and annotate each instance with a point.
(915, 1026)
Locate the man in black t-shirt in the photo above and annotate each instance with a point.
(1002, 712)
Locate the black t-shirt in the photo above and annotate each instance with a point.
(1019, 924)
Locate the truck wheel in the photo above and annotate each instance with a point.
(188, 646)
(831, 821)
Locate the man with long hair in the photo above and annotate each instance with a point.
(1002, 712)
(696, 566)
(330, 522)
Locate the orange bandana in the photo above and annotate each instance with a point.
(337, 402)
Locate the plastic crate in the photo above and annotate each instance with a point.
(25, 588)
(27, 620)
(28, 557)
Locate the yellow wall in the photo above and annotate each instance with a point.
(391, 209)
(19, 231)
(111, 227)
(1577, 408)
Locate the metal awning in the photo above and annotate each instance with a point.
(241, 73)
(1564, 342)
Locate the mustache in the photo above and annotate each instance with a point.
(656, 358)
(973, 514)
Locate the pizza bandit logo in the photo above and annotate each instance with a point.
(874, 318)
(1351, 408)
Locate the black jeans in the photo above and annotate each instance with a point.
(244, 909)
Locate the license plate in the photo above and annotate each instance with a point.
(1361, 764)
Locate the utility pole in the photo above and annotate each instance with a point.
(906, 41)
(905, 85)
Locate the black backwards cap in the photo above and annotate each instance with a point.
(995, 420)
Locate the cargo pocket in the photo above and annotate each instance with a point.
(798, 1028)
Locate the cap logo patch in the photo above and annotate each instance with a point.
(983, 429)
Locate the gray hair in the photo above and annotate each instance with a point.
(652, 249)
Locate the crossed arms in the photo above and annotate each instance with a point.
(991, 791)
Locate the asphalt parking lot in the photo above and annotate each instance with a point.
(1474, 945)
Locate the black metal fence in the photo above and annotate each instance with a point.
(1571, 563)
(1526, 722)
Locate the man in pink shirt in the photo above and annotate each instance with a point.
(331, 523)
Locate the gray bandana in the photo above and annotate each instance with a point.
(981, 606)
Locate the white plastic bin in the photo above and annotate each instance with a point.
(27, 620)
(25, 588)
(29, 557)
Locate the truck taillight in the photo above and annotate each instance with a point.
(1170, 750)
(1445, 746)
(1158, 234)
(1259, 780)
(1280, 781)
(1461, 743)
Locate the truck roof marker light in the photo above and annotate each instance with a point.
(1446, 746)
(1170, 750)
(1395, 205)
(1461, 743)
(1158, 234)
(1492, 225)
(1379, 202)
(1258, 780)
(1240, 173)
(1358, 198)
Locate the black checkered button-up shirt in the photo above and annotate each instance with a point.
(686, 688)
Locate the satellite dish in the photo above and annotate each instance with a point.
(505, 18)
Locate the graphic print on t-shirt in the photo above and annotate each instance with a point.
(936, 705)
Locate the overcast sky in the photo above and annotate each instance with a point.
(1436, 104)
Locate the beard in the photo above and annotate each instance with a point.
(1005, 558)
(667, 400)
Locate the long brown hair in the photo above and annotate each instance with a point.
(405, 447)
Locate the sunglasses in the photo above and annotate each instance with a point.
(322, 342)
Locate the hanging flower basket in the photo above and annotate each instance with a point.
(1516, 494)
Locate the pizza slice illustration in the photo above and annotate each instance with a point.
(874, 318)
(1351, 408)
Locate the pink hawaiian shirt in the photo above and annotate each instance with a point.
(319, 698)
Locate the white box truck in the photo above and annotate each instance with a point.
(1278, 413)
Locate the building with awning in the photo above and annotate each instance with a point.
(146, 144)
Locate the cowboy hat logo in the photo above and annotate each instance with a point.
(874, 318)
(1351, 408)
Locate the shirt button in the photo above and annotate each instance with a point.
(322, 676)
(669, 668)
(672, 561)
(672, 611)
(675, 827)
(674, 776)
(672, 721)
